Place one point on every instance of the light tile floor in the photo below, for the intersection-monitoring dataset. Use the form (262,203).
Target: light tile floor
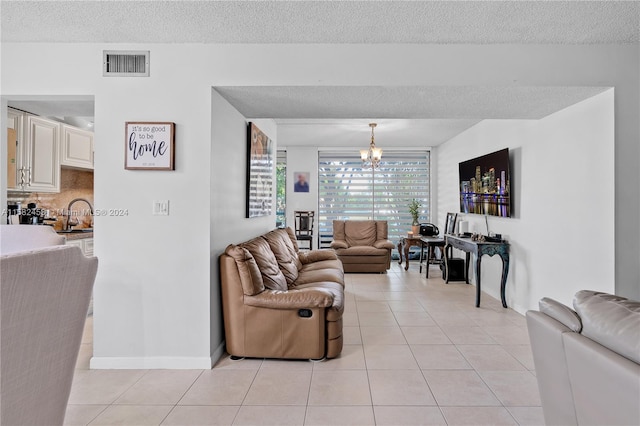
(416,352)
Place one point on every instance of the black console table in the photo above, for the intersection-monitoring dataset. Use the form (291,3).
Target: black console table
(480,248)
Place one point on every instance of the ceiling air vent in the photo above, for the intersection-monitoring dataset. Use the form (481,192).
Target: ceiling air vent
(120,63)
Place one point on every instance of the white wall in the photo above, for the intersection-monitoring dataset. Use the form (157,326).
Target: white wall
(228,222)
(151,306)
(302,159)
(562,180)
(154,304)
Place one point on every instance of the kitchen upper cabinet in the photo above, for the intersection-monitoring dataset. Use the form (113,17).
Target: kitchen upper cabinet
(41,170)
(15,133)
(76,150)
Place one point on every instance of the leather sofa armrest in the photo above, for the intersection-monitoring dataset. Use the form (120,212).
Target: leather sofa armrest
(384,244)
(339,244)
(293,299)
(316,256)
(561,313)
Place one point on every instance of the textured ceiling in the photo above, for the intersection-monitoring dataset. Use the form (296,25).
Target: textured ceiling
(478,22)
(408,116)
(426,115)
(417,102)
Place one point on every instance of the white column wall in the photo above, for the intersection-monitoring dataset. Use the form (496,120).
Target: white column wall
(562,181)
(228,222)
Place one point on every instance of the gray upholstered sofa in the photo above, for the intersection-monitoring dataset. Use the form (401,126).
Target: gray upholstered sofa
(587,359)
(362,245)
(46,288)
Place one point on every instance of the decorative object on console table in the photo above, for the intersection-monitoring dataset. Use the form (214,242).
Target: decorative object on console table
(149,146)
(260,167)
(450,223)
(480,247)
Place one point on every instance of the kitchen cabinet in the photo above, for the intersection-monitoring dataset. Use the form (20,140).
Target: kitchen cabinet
(85,244)
(42,154)
(12,170)
(37,153)
(76,150)
(15,133)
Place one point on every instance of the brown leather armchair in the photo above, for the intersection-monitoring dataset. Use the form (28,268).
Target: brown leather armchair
(279,302)
(362,245)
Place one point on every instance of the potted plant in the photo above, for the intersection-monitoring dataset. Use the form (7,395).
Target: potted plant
(414,209)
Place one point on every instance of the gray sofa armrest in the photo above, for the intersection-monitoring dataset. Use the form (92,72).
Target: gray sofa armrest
(292,299)
(562,313)
(613,321)
(386,244)
(339,244)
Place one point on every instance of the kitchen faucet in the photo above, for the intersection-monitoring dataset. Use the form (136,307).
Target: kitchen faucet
(71,223)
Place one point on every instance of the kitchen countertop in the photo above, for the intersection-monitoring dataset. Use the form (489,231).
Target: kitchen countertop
(76,235)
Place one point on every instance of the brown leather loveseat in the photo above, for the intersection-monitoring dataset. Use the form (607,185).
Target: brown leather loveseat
(362,245)
(279,302)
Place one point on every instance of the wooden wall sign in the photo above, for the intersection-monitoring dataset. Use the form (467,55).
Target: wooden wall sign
(149,146)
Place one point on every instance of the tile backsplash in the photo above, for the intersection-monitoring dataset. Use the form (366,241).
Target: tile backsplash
(73,184)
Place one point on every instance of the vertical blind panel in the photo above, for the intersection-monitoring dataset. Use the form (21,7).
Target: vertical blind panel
(281,185)
(347,191)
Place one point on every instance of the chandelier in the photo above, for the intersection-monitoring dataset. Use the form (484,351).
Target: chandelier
(372,156)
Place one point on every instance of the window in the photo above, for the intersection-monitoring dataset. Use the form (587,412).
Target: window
(347,191)
(281,189)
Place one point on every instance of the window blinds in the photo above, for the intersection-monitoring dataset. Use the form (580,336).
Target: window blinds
(346,191)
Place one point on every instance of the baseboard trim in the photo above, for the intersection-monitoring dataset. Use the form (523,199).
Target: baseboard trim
(150,363)
(217,354)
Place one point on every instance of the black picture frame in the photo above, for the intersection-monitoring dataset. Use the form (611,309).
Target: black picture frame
(450,223)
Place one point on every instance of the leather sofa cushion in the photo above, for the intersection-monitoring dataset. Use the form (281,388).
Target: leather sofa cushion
(338,230)
(338,244)
(317,256)
(285,254)
(306,298)
(323,264)
(360,232)
(382,230)
(362,251)
(272,276)
(250,276)
(610,320)
(319,275)
(560,312)
(384,244)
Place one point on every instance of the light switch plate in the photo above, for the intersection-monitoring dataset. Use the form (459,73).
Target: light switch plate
(161,208)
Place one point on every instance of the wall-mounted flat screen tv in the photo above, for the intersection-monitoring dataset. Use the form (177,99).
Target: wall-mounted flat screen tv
(485,185)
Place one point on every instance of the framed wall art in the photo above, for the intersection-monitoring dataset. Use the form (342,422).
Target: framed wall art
(149,146)
(301,180)
(260,169)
